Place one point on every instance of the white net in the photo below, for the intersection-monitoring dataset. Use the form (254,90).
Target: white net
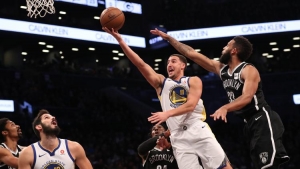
(40,7)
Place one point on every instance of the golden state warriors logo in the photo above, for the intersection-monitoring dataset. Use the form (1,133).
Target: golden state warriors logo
(178,95)
(53,166)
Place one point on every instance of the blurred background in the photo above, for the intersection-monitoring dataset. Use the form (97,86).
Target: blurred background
(102,101)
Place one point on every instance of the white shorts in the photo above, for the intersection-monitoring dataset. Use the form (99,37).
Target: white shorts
(196,140)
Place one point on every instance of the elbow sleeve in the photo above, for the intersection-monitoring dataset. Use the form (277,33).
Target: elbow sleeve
(147,145)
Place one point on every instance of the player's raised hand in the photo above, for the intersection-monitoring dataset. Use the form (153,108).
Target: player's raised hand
(158,117)
(159,33)
(114,33)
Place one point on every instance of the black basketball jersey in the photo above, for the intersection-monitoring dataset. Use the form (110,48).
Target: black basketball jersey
(160,159)
(233,84)
(16,154)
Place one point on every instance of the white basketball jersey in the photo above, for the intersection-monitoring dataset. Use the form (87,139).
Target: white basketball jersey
(60,158)
(174,94)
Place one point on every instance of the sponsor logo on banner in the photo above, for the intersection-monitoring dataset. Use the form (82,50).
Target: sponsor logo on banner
(67,32)
(226,31)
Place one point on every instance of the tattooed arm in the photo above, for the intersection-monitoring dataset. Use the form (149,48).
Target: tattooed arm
(200,59)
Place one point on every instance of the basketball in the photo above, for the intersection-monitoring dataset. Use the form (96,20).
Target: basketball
(112,18)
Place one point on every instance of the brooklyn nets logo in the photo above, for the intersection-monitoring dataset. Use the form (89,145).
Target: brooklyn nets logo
(263,157)
(178,95)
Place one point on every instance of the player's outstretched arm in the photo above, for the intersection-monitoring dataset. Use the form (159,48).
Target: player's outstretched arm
(79,155)
(26,158)
(151,76)
(146,146)
(7,158)
(200,59)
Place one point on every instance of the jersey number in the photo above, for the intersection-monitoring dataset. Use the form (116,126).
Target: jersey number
(231,96)
(160,167)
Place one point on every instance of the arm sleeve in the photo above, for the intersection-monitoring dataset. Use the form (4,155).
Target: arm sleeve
(147,145)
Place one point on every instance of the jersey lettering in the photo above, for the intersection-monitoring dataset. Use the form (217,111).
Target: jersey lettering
(231,96)
(233,84)
(160,167)
(160,159)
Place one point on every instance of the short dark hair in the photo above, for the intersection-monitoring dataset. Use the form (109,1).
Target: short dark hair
(164,125)
(244,47)
(37,120)
(181,58)
(3,122)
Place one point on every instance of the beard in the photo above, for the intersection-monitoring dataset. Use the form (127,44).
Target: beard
(20,135)
(225,58)
(50,131)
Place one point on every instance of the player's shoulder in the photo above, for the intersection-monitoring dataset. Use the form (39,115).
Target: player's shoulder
(73,145)
(246,64)
(27,150)
(249,67)
(194,79)
(71,141)
(75,149)
(161,77)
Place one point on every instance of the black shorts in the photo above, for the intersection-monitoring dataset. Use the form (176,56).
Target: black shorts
(264,136)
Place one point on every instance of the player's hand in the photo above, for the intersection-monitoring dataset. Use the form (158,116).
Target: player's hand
(221,112)
(114,33)
(167,134)
(158,117)
(159,33)
(163,143)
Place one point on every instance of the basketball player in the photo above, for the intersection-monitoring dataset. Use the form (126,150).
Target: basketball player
(242,83)
(9,148)
(155,155)
(50,151)
(183,108)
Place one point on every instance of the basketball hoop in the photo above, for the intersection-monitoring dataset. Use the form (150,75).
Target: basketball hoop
(40,7)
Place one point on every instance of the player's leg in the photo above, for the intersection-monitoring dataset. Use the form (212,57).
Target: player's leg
(265,131)
(278,129)
(187,159)
(182,150)
(208,148)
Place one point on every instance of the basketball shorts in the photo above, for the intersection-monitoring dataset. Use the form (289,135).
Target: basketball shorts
(263,132)
(189,142)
